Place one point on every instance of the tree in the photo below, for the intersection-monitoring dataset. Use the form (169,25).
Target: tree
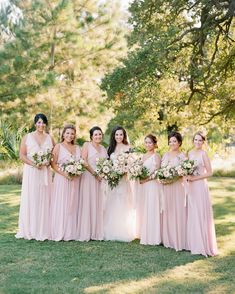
(180,65)
(54,57)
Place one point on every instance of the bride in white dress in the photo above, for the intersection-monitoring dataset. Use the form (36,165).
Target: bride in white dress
(119,215)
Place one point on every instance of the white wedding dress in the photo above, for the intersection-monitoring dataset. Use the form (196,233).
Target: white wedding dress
(119,213)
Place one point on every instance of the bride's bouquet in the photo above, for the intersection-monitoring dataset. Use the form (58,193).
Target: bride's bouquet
(73,167)
(186,168)
(166,175)
(137,170)
(42,157)
(121,162)
(105,170)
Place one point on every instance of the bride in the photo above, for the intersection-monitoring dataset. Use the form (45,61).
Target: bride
(119,221)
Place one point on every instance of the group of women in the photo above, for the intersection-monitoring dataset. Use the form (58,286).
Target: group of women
(178,215)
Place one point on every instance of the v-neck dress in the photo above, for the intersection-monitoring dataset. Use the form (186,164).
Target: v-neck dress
(64,201)
(90,214)
(34,216)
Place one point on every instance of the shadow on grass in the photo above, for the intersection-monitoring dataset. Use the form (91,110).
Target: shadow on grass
(225,207)
(9,217)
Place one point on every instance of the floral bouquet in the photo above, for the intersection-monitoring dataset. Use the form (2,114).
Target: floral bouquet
(137,170)
(42,157)
(121,162)
(73,167)
(104,169)
(166,175)
(186,168)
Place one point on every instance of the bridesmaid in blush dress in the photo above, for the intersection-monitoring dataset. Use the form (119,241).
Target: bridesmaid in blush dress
(34,219)
(150,228)
(174,206)
(90,215)
(65,192)
(201,237)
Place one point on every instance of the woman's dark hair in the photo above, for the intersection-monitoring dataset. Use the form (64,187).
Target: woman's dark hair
(92,130)
(67,127)
(42,116)
(201,135)
(152,138)
(113,143)
(177,135)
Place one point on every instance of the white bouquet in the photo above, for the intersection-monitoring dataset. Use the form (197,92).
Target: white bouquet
(104,169)
(73,167)
(166,175)
(137,170)
(42,157)
(186,168)
(121,162)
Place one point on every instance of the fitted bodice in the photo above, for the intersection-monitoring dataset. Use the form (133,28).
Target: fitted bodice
(65,155)
(151,163)
(32,145)
(167,161)
(198,158)
(93,154)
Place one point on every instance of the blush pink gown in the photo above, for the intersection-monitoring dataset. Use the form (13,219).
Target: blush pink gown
(150,228)
(90,215)
(201,237)
(64,201)
(34,216)
(174,214)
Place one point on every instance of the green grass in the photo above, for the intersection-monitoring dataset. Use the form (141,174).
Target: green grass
(114,267)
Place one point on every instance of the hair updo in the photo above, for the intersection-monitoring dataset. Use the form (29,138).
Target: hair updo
(199,133)
(152,138)
(43,118)
(177,135)
(68,127)
(92,130)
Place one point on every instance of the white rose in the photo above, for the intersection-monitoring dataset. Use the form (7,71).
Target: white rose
(40,153)
(106,169)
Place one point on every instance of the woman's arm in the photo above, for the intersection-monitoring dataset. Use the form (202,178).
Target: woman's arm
(23,154)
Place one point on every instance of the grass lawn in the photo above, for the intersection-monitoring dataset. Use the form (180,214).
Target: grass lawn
(114,267)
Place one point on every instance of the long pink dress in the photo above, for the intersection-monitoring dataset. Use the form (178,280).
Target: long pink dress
(150,231)
(201,237)
(64,201)
(174,214)
(90,215)
(34,216)
(139,205)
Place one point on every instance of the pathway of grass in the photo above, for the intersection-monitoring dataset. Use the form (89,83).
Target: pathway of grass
(114,267)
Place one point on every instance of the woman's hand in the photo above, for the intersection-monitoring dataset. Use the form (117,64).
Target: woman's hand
(98,178)
(144,181)
(190,178)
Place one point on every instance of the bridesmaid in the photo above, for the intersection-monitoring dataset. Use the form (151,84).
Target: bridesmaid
(150,232)
(174,207)
(65,193)
(90,216)
(119,218)
(201,237)
(36,185)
